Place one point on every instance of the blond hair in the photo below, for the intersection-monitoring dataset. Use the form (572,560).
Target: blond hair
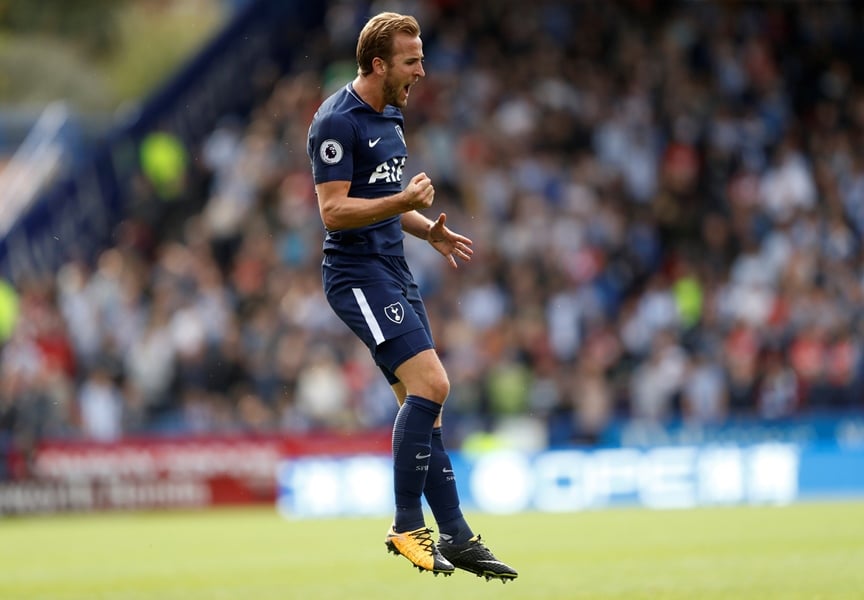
(376,38)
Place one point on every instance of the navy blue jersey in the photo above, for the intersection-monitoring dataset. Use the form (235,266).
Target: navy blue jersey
(351,141)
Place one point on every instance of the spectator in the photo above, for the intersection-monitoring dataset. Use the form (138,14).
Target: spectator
(100,405)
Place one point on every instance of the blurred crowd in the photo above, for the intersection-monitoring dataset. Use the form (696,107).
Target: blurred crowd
(667,208)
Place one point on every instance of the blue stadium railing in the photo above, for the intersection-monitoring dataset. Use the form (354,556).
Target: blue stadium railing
(76,216)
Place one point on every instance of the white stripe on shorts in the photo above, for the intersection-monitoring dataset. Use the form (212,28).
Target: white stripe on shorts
(367,314)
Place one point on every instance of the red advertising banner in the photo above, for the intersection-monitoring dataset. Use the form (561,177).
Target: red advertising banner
(154,473)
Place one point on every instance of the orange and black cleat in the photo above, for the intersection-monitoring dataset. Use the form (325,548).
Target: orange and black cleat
(418,547)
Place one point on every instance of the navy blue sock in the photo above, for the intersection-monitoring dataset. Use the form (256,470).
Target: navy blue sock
(441,494)
(412,433)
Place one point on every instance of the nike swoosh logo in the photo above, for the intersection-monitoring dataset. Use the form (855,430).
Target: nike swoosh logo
(493,562)
(373,143)
(447,470)
(419,456)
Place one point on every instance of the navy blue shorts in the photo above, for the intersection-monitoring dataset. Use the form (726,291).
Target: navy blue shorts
(376,296)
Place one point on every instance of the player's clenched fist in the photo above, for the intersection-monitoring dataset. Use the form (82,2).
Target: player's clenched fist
(419,192)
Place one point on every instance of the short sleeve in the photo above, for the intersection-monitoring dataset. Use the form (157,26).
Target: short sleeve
(331,148)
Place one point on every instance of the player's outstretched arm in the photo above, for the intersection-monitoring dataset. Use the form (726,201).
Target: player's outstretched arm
(449,244)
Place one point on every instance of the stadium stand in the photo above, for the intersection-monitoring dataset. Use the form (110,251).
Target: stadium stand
(666,199)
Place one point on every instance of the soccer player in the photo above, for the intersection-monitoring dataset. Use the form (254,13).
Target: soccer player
(358,151)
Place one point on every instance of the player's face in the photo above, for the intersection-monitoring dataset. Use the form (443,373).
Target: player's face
(404,70)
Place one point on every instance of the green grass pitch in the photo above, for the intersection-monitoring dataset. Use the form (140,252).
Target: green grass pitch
(805,551)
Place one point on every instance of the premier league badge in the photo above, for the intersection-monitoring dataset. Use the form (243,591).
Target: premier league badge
(331,151)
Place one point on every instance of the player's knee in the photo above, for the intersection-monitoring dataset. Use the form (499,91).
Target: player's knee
(440,384)
(434,385)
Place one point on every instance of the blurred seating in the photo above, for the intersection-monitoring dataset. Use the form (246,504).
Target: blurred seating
(666,200)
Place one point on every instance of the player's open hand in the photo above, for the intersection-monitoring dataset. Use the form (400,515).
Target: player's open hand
(451,245)
(419,192)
